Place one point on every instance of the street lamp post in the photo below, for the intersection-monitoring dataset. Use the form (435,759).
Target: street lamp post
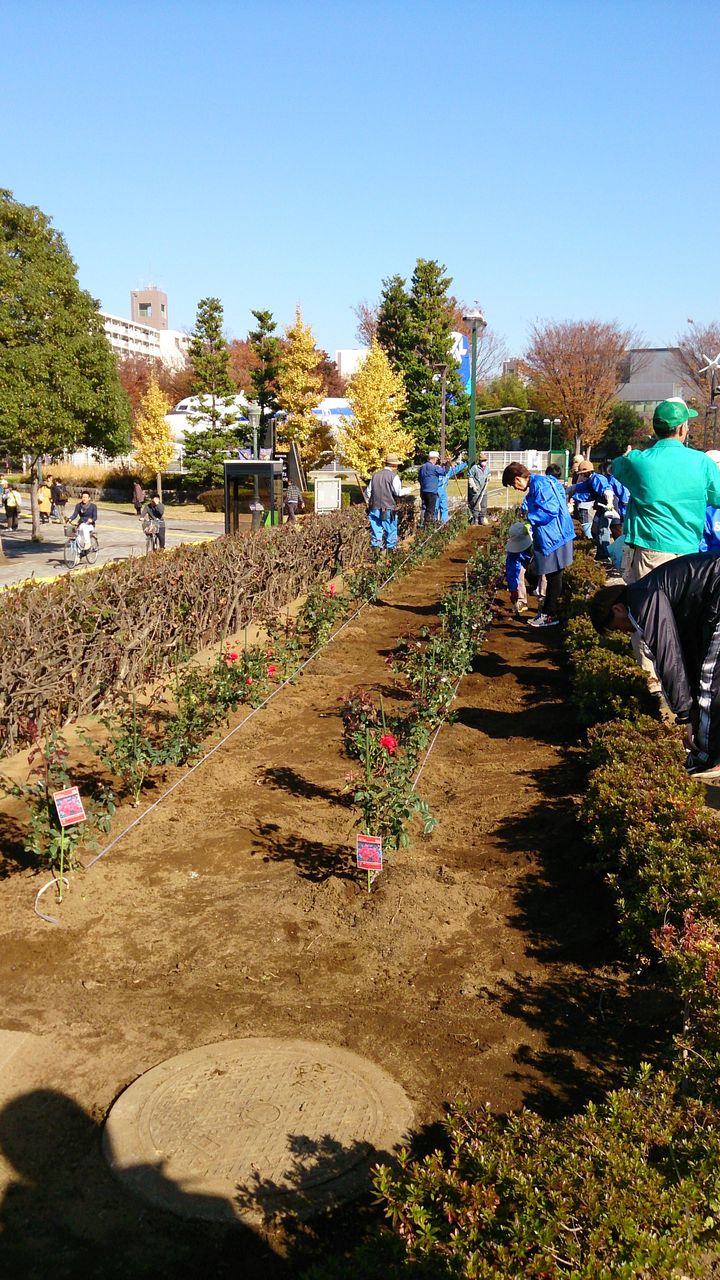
(254,420)
(551,422)
(476,320)
(442,371)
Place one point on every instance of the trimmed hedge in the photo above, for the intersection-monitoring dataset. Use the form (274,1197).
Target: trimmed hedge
(68,645)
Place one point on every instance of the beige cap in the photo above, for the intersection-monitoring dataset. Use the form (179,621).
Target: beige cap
(392,460)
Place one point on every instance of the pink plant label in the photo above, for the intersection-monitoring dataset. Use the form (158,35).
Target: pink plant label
(69,807)
(369,853)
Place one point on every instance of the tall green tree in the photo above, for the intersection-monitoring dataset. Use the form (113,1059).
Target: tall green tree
(267,348)
(59,388)
(210,360)
(414,326)
(217,436)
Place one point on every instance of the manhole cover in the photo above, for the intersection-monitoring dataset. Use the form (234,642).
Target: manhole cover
(251,1128)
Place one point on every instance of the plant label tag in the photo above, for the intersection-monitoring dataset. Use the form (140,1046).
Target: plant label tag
(369,853)
(69,807)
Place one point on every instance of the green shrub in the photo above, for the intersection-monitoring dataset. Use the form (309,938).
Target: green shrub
(629,1188)
(212,499)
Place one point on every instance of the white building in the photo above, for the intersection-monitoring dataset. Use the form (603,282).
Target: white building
(654,374)
(147,335)
(130,338)
(348,360)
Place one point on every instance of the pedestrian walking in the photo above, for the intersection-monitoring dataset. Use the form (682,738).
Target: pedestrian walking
(293,500)
(545,506)
(138,497)
(58,500)
(12,503)
(44,499)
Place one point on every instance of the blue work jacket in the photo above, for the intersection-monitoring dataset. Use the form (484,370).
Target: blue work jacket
(429,476)
(545,505)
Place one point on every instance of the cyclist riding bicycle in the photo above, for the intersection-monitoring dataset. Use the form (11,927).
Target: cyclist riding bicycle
(86,514)
(154,522)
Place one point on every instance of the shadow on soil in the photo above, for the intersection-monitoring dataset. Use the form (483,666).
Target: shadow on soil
(604,1019)
(64,1214)
(283,779)
(314,860)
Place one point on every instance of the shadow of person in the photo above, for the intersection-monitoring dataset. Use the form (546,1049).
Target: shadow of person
(64,1214)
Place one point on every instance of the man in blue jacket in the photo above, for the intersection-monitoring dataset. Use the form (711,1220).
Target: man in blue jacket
(429,476)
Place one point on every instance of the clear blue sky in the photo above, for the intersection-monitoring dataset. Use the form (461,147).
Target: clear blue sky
(558,157)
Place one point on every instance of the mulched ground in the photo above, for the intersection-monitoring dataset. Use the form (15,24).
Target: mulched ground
(481,967)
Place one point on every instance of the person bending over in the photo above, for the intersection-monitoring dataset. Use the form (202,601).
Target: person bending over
(675,609)
(545,506)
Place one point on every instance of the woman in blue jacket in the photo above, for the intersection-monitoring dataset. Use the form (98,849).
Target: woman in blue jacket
(545,507)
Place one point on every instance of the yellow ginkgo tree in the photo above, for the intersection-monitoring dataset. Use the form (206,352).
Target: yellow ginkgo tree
(377,397)
(152,442)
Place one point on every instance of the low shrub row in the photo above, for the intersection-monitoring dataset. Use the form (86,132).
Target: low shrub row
(67,646)
(652,835)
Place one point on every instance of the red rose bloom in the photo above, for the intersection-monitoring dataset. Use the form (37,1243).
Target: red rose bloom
(231,657)
(331,589)
(389,742)
(248,679)
(271,670)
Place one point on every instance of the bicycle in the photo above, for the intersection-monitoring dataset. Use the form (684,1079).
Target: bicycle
(73,554)
(152,536)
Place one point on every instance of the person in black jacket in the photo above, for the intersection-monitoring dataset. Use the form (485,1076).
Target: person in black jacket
(676,611)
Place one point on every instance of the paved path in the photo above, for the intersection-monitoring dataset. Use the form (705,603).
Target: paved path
(119,534)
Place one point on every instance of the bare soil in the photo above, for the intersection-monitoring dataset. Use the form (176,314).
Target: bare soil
(482,966)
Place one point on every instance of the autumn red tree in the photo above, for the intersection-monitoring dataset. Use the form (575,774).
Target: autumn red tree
(242,362)
(136,373)
(332,383)
(576,370)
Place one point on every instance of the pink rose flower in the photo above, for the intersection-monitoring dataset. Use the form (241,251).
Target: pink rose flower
(389,742)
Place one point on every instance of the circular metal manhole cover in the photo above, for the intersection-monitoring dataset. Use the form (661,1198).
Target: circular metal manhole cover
(251,1128)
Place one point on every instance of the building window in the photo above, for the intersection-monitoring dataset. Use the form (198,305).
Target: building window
(145,309)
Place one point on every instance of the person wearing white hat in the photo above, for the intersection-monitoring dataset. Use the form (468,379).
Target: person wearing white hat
(518,554)
(710,541)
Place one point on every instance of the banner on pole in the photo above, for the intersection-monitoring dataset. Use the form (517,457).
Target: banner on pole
(369,853)
(69,807)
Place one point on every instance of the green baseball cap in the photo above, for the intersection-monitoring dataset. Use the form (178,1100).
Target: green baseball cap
(672,413)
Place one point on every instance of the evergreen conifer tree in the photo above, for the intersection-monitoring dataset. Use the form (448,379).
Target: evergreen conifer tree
(267,348)
(207,448)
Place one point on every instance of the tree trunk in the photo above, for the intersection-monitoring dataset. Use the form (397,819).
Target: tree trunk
(158,484)
(35,533)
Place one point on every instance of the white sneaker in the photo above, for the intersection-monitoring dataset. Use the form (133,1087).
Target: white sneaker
(544,620)
(711,774)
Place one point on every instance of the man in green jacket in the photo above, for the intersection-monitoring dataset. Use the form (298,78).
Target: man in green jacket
(670,489)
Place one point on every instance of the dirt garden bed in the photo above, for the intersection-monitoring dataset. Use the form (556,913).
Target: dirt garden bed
(482,966)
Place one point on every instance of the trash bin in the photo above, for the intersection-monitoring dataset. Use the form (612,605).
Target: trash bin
(257,512)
